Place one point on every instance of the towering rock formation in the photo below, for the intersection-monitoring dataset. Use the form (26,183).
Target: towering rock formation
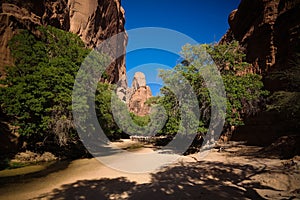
(93,20)
(140,94)
(269,30)
(136,96)
(139,80)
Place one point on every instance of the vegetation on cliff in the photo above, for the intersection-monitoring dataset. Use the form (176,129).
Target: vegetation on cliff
(244,91)
(37,92)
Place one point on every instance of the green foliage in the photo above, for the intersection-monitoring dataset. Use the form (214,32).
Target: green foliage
(171,105)
(114,116)
(115,119)
(118,121)
(244,95)
(289,78)
(104,110)
(287,106)
(39,87)
(171,108)
(152,100)
(228,57)
(244,91)
(140,120)
(285,102)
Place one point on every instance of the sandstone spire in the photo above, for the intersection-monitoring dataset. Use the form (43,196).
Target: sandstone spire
(136,96)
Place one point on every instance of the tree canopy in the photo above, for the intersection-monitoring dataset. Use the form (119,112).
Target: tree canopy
(244,91)
(38,88)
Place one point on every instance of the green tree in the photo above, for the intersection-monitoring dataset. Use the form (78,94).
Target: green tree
(103,100)
(38,92)
(244,91)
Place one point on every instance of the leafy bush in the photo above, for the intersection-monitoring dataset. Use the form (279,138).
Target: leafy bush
(287,79)
(244,91)
(104,111)
(38,92)
(287,104)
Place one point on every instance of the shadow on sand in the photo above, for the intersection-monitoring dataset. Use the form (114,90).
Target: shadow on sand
(200,180)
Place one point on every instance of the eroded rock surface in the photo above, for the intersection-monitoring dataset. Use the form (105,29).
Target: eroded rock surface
(140,93)
(93,20)
(269,30)
(136,96)
(137,101)
(139,80)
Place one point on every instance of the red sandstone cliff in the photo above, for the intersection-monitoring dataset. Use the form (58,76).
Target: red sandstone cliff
(93,20)
(138,95)
(268,29)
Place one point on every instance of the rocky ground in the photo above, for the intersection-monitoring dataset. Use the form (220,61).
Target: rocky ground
(231,172)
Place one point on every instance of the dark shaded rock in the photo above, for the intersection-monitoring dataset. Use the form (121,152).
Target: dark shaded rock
(269,30)
(285,147)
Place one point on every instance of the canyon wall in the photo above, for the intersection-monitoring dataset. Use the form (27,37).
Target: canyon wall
(268,29)
(93,20)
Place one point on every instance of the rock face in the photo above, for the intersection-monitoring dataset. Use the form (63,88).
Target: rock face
(93,20)
(122,89)
(136,96)
(137,101)
(140,94)
(269,30)
(139,80)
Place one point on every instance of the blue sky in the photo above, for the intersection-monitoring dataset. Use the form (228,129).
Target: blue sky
(203,21)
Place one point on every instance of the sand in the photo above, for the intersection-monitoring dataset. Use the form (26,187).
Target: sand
(237,172)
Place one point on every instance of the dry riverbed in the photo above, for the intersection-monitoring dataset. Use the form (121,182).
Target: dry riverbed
(235,172)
